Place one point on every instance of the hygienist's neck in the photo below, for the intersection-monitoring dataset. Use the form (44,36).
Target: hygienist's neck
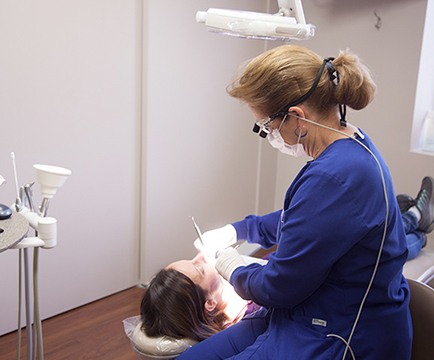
(322,138)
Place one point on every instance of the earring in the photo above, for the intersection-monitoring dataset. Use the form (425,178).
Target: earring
(300,134)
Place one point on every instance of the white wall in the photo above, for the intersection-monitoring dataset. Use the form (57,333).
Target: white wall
(200,156)
(69,96)
(425,83)
(130,95)
(392,53)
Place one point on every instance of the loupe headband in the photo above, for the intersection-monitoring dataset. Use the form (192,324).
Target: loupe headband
(307,95)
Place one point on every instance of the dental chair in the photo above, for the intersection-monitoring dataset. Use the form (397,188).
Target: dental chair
(151,348)
(428,277)
(422,313)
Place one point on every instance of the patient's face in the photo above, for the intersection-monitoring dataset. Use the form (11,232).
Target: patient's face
(200,272)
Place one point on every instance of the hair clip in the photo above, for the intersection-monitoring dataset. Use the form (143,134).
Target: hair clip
(333,74)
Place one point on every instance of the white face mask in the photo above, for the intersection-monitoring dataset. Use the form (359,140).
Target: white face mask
(276,140)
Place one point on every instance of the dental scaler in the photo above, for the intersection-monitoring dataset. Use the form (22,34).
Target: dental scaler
(198,232)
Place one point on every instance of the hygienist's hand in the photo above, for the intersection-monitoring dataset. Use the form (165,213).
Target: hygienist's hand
(215,240)
(227,261)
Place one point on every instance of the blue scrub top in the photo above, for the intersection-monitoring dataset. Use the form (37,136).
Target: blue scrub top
(328,237)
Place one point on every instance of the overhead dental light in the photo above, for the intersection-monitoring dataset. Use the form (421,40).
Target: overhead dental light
(288,24)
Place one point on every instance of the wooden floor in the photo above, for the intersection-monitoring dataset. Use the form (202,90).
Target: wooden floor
(93,331)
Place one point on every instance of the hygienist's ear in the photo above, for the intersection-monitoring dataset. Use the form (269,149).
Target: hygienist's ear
(296,110)
(210,305)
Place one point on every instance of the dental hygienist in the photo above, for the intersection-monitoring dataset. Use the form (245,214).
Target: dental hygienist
(334,288)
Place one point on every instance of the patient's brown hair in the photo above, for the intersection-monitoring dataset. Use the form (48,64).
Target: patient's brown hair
(174,306)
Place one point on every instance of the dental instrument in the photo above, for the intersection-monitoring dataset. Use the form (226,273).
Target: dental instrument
(198,232)
(288,24)
(19,194)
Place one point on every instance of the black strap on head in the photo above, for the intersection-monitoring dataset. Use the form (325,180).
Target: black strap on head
(335,79)
(304,97)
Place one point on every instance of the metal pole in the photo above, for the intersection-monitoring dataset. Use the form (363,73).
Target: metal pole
(29,332)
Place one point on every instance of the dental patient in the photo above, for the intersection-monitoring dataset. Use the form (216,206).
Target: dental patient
(189,299)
